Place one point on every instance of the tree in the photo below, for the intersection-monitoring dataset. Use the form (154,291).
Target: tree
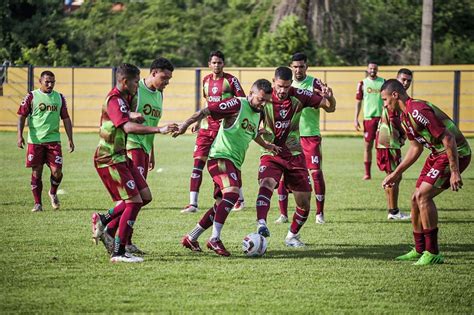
(426,51)
(46,55)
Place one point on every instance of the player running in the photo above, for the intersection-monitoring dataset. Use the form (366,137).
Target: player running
(122,180)
(240,124)
(282,118)
(140,147)
(310,138)
(217,86)
(427,125)
(44,108)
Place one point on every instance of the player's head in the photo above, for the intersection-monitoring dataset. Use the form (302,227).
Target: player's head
(216,61)
(405,76)
(260,93)
(393,93)
(47,81)
(372,69)
(161,71)
(127,76)
(282,82)
(299,66)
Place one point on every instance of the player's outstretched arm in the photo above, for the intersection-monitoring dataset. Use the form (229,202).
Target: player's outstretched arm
(413,153)
(21,125)
(449,142)
(131,127)
(68,127)
(136,117)
(328,104)
(169,128)
(191,120)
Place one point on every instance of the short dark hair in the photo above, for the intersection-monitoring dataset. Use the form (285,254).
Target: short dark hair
(283,73)
(127,70)
(299,56)
(372,62)
(216,53)
(264,85)
(405,71)
(393,85)
(162,64)
(47,73)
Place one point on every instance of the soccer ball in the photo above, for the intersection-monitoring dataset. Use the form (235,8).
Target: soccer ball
(254,245)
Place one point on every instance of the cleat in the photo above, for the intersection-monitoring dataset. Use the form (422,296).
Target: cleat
(128,258)
(293,241)
(411,255)
(192,245)
(239,205)
(108,241)
(399,216)
(54,200)
(37,208)
(97,228)
(429,259)
(320,218)
(366,177)
(190,209)
(217,246)
(281,219)
(263,230)
(133,249)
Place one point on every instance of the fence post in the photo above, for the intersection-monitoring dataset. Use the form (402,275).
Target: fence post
(72,96)
(114,79)
(456,94)
(31,83)
(197,84)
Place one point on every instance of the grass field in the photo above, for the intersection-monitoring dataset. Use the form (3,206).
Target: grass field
(48,263)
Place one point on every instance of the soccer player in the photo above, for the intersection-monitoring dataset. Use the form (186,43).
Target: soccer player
(217,86)
(122,180)
(368,91)
(44,108)
(310,138)
(240,124)
(389,138)
(282,118)
(140,147)
(426,125)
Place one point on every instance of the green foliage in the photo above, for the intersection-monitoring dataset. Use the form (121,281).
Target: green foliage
(49,55)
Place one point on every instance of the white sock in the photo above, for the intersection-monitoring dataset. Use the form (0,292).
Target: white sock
(193,198)
(241,194)
(216,230)
(290,235)
(196,232)
(262,222)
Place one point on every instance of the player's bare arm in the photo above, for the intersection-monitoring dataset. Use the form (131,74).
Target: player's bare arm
(68,127)
(21,125)
(328,104)
(169,128)
(356,118)
(199,115)
(266,145)
(449,143)
(413,153)
(132,127)
(136,117)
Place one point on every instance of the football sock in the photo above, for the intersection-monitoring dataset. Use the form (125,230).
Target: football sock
(113,213)
(55,184)
(319,190)
(36,188)
(283,199)
(431,240)
(196,180)
(367,165)
(196,232)
(127,220)
(241,194)
(419,241)
(208,218)
(299,218)
(225,206)
(263,202)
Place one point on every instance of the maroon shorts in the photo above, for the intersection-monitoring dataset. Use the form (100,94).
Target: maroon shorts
(49,153)
(140,160)
(224,174)
(312,152)
(122,180)
(204,140)
(293,169)
(388,159)
(370,128)
(436,170)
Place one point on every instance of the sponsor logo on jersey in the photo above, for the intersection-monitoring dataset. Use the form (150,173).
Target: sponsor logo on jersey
(371,90)
(248,126)
(236,84)
(50,108)
(229,104)
(233,175)
(420,117)
(214,89)
(282,124)
(122,106)
(214,98)
(304,92)
(262,168)
(150,111)
(131,184)
(283,113)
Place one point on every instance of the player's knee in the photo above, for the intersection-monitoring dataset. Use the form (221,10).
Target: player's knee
(268,183)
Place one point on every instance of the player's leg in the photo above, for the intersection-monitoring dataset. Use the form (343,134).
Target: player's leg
(54,160)
(195,184)
(370,129)
(240,204)
(35,158)
(282,202)
(418,236)
(302,200)
(190,240)
(388,160)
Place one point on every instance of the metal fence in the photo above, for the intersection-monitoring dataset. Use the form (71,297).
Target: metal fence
(449,87)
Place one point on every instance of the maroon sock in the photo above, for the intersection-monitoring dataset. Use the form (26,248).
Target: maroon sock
(196,175)
(367,165)
(36,188)
(55,184)
(263,202)
(115,212)
(419,242)
(228,201)
(319,190)
(283,199)
(431,240)
(127,220)
(208,218)
(299,218)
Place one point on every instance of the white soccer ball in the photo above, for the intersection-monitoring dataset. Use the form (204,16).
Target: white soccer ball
(254,245)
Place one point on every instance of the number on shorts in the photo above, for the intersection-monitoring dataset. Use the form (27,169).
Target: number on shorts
(58,159)
(433,173)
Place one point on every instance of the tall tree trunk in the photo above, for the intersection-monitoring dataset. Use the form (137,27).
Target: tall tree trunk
(426,53)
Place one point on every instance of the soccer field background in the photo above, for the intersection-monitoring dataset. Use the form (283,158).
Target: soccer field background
(48,263)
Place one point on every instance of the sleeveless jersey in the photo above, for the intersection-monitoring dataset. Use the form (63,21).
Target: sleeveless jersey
(372,100)
(309,121)
(150,104)
(43,122)
(232,143)
(389,131)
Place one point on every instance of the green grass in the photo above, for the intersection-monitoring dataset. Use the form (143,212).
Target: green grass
(48,263)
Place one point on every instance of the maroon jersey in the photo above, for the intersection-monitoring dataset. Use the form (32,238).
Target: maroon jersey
(218,90)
